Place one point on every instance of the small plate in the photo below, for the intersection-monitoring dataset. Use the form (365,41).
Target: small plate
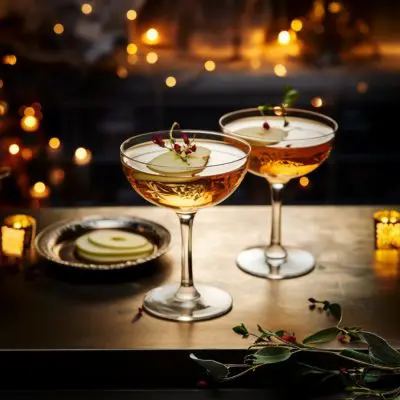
(56,242)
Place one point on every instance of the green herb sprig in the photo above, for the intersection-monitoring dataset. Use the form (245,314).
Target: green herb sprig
(290,97)
(379,362)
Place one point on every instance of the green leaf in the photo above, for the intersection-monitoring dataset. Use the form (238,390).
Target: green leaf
(280,333)
(290,97)
(380,348)
(323,336)
(357,355)
(241,330)
(271,355)
(216,369)
(335,310)
(373,376)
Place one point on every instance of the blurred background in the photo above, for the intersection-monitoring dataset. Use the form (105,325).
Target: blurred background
(77,78)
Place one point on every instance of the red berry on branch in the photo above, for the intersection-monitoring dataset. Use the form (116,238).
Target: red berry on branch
(185,138)
(193,147)
(177,147)
(159,141)
(289,338)
(266,125)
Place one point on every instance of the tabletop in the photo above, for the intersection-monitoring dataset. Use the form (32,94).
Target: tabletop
(96,311)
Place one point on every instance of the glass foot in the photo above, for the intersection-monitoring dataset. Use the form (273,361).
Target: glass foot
(253,261)
(213,302)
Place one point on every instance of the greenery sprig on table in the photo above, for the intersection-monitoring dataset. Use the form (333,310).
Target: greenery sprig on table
(379,360)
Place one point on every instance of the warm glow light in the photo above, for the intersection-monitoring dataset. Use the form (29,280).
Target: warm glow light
(27,154)
(319,10)
(54,143)
(56,176)
(152,57)
(362,87)
(387,229)
(58,29)
(132,59)
(86,8)
(280,70)
(3,107)
(170,81)
(29,123)
(317,102)
(304,181)
(151,36)
(12,241)
(39,191)
(29,111)
(293,35)
(131,15)
(209,65)
(255,63)
(131,48)
(122,72)
(10,59)
(82,156)
(296,25)
(334,7)
(284,37)
(13,149)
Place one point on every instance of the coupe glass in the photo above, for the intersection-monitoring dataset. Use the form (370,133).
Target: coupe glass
(185,193)
(283,148)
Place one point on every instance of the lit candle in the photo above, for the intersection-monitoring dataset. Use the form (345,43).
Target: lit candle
(25,226)
(387,229)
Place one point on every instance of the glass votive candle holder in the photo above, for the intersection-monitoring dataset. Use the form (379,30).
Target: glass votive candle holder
(25,223)
(387,229)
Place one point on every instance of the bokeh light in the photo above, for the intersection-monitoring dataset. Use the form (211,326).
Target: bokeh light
(82,156)
(335,7)
(304,181)
(29,123)
(297,25)
(131,15)
(3,107)
(39,191)
(10,59)
(209,65)
(170,81)
(362,87)
(131,48)
(86,8)
(317,102)
(56,176)
(54,143)
(152,57)
(122,72)
(280,70)
(13,149)
(27,154)
(284,37)
(151,36)
(58,29)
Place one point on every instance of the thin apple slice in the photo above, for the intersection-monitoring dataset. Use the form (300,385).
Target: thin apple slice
(116,239)
(170,163)
(261,136)
(83,244)
(103,259)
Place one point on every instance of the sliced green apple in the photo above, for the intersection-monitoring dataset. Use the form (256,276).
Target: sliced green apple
(116,239)
(103,259)
(261,136)
(83,244)
(171,163)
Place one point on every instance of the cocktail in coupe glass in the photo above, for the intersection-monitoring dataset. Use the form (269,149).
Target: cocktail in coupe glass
(206,169)
(284,146)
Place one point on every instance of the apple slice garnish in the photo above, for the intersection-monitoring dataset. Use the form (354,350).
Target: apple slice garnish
(262,136)
(116,239)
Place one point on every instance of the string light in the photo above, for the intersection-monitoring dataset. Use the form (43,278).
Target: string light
(27,154)
(304,181)
(132,59)
(10,59)
(335,7)
(131,48)
(58,29)
(317,102)
(362,87)
(297,25)
(280,70)
(86,8)
(122,72)
(209,65)
(131,15)
(56,176)
(39,191)
(13,149)
(170,81)
(152,57)
(82,156)
(3,107)
(284,37)
(29,123)
(54,143)
(151,36)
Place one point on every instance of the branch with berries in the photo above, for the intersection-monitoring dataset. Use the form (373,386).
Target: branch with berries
(289,99)
(375,361)
(182,150)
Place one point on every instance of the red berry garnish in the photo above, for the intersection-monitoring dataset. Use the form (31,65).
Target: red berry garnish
(177,147)
(188,151)
(185,138)
(289,338)
(266,125)
(193,147)
(159,141)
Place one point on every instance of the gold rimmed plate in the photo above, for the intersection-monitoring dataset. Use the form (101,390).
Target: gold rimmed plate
(56,243)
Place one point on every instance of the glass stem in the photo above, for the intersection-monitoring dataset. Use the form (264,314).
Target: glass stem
(275,251)
(187,291)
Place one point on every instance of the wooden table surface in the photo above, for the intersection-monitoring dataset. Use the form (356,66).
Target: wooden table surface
(55,312)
